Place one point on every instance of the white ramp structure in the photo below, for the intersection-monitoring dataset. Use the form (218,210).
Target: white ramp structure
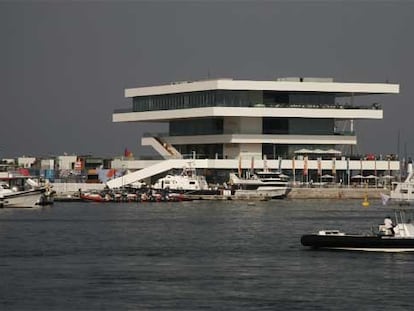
(149,171)
(166,165)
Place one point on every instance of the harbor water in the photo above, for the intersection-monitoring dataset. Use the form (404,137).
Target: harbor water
(214,255)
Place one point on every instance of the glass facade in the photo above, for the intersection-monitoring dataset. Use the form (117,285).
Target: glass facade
(199,151)
(240,98)
(275,98)
(275,126)
(311,126)
(230,98)
(207,126)
(273,151)
(212,98)
(298,126)
(313,99)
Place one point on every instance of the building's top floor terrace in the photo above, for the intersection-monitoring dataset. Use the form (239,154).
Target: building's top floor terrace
(303,93)
(319,85)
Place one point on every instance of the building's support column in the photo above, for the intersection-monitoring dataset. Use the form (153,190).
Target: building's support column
(242,125)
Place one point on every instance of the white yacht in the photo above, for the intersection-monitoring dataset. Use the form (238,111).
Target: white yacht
(16,191)
(403,192)
(262,184)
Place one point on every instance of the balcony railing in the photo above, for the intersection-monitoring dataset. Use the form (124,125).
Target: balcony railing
(227,132)
(374,106)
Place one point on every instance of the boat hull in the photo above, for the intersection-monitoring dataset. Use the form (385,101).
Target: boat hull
(24,199)
(359,242)
(262,193)
(95,198)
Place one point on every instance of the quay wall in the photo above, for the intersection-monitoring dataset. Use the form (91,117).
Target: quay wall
(312,193)
(295,193)
(337,193)
(70,188)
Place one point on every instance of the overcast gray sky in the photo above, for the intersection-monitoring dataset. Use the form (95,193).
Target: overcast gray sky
(64,65)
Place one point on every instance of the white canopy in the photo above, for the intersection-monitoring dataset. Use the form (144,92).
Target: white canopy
(303,151)
(317,151)
(333,151)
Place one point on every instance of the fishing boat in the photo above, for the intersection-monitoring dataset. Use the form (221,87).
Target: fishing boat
(384,239)
(20,191)
(261,184)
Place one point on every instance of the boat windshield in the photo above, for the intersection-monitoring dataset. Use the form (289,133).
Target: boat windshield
(4,186)
(272,175)
(403,216)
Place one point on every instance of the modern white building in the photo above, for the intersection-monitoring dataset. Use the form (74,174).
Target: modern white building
(287,124)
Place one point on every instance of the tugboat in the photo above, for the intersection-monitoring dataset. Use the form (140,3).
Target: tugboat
(385,239)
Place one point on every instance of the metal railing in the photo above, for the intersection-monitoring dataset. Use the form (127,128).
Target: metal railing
(373,106)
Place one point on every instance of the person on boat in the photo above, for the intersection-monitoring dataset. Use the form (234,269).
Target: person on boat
(389,225)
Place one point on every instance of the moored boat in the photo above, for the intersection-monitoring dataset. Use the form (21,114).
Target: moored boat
(403,192)
(20,191)
(188,180)
(383,240)
(95,197)
(262,184)
(144,195)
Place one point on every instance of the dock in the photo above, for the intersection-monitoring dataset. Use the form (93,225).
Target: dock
(309,193)
(295,193)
